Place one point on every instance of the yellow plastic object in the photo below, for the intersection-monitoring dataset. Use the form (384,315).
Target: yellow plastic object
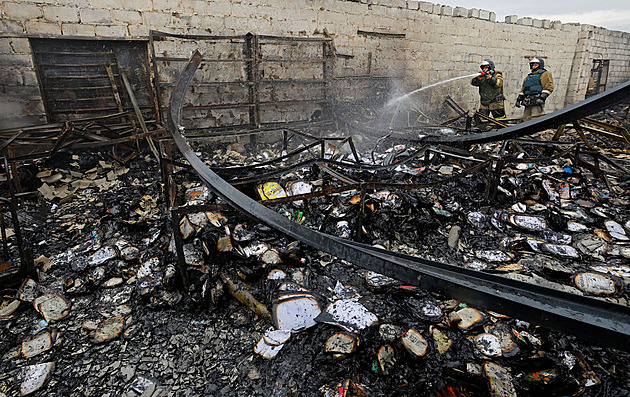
(271,190)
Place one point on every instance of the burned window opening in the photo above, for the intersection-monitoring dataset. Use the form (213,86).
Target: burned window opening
(599,74)
(82,78)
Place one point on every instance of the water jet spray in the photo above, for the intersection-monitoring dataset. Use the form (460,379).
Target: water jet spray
(393,101)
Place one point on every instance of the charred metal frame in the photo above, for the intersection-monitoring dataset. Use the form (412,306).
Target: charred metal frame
(26,267)
(252,62)
(44,140)
(580,125)
(35,142)
(328,166)
(166,161)
(607,130)
(594,319)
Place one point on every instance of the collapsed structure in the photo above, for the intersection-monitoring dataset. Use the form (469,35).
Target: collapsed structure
(379,248)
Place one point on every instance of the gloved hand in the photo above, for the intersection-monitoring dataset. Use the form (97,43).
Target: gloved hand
(540,99)
(519,100)
(482,73)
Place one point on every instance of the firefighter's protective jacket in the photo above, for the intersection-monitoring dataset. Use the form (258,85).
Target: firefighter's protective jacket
(490,87)
(537,82)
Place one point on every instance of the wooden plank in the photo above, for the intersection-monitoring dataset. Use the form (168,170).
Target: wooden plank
(112,80)
(139,114)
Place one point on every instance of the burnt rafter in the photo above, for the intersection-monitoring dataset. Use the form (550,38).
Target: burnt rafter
(585,317)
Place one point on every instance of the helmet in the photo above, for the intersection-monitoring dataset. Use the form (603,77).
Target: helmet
(487,63)
(538,61)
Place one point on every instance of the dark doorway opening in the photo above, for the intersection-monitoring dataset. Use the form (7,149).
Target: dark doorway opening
(598,77)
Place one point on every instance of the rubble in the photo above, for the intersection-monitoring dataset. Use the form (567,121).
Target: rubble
(467,318)
(35,376)
(340,345)
(500,380)
(271,342)
(8,308)
(348,314)
(37,344)
(263,314)
(295,311)
(386,358)
(488,345)
(595,283)
(415,343)
(51,306)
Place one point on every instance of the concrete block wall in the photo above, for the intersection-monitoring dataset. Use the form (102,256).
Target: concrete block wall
(20,98)
(598,43)
(440,42)
(446,47)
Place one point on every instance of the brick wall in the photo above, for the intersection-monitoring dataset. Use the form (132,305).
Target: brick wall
(20,100)
(598,43)
(439,42)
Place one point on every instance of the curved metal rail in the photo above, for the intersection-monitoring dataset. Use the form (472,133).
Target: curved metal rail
(600,321)
(567,115)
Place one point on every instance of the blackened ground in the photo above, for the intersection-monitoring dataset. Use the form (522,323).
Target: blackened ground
(191,347)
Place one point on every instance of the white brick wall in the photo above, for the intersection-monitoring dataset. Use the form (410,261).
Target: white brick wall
(126,17)
(20,46)
(60,14)
(11,27)
(77,29)
(111,31)
(21,11)
(96,16)
(441,41)
(41,27)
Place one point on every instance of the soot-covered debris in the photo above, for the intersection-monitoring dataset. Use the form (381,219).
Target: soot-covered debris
(109,315)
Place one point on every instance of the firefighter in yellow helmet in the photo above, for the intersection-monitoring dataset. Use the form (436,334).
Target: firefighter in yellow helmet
(537,86)
(490,83)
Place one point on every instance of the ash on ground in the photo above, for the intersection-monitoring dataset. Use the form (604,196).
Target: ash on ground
(109,315)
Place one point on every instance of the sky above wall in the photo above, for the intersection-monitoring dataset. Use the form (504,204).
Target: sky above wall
(610,14)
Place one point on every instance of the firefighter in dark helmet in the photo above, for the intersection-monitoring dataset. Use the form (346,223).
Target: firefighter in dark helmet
(490,83)
(538,85)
